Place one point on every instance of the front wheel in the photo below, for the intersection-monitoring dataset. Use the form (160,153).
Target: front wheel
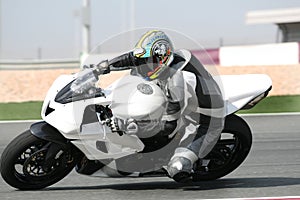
(229,152)
(24,163)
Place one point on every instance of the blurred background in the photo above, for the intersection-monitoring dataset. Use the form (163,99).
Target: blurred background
(41,39)
(46,29)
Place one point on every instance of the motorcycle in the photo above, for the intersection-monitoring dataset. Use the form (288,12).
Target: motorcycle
(114,130)
(75,132)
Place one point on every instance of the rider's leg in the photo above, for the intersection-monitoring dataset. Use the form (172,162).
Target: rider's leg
(194,146)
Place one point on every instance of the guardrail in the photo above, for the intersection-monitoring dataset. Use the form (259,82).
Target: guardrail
(39,64)
(250,55)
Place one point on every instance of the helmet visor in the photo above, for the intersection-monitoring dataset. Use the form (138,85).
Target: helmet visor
(147,66)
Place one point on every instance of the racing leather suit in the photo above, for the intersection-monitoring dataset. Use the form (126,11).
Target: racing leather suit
(194,98)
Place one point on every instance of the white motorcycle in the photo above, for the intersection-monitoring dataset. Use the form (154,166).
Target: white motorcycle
(76,132)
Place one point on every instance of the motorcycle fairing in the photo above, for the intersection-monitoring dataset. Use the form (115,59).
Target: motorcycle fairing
(238,91)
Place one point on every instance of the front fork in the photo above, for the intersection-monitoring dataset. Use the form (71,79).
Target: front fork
(56,146)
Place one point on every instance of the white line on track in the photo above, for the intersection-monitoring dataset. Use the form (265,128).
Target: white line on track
(272,114)
(262,198)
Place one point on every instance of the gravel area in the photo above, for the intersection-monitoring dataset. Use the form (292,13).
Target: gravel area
(32,85)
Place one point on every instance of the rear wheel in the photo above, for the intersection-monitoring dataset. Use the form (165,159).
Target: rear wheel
(229,152)
(25,163)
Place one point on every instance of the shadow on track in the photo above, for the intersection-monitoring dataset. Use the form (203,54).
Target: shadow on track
(206,185)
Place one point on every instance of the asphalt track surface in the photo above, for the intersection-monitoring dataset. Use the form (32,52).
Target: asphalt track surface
(271,170)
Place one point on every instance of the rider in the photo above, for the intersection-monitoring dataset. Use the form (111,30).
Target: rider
(183,78)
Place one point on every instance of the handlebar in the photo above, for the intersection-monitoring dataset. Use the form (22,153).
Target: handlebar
(118,63)
(102,68)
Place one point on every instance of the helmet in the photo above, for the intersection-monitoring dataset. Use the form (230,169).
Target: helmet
(154,53)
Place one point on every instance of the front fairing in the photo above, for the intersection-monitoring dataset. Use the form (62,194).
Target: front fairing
(69,119)
(81,88)
(67,99)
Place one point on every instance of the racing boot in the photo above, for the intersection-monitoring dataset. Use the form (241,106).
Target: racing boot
(180,167)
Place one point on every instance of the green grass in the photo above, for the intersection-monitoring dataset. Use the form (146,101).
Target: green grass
(276,104)
(32,110)
(21,111)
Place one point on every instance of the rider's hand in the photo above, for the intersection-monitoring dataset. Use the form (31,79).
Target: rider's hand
(103,67)
(122,62)
(113,124)
(116,125)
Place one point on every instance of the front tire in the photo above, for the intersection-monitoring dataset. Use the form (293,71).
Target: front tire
(23,163)
(230,151)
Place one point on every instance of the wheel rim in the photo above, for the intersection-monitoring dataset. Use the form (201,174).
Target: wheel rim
(22,158)
(29,165)
(223,154)
(34,167)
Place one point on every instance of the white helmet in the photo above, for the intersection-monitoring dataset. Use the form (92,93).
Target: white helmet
(154,51)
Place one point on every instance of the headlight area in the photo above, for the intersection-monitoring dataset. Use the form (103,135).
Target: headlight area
(65,95)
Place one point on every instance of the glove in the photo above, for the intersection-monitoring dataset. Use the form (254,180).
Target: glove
(103,67)
(122,62)
(100,68)
(115,125)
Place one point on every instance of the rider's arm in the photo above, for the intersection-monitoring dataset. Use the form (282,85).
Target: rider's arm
(122,62)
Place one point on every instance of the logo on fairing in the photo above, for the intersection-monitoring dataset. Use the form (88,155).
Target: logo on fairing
(145,88)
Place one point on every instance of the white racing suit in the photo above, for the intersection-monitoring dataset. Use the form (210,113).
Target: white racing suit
(201,113)
(195,102)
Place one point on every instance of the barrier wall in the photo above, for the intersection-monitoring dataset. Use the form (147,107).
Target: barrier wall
(269,54)
(266,54)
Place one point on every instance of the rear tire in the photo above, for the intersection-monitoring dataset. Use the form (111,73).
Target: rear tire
(228,153)
(22,163)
